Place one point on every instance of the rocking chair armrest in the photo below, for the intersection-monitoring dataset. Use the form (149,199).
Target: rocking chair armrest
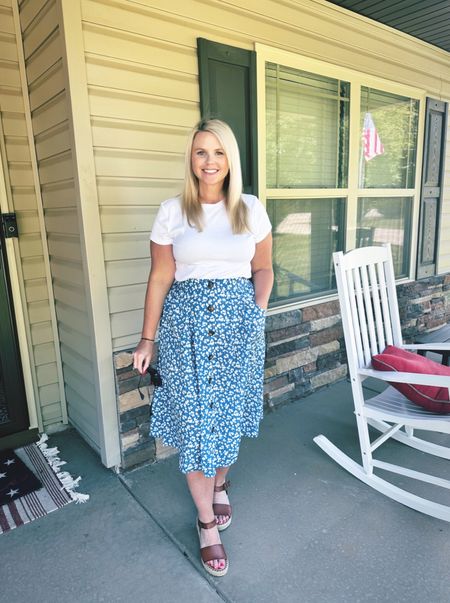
(412,378)
(442,347)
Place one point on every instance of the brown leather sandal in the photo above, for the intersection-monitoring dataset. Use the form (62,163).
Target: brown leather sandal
(214,551)
(221,508)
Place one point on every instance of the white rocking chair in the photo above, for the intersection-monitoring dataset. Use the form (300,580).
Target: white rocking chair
(370,318)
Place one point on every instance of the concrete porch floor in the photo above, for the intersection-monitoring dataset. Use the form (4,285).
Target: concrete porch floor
(304,530)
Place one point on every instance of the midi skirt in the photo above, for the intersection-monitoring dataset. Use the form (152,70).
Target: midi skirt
(211,361)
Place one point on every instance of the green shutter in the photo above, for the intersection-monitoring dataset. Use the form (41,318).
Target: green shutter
(228,92)
(431,193)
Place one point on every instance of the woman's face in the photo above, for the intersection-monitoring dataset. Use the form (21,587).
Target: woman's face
(209,162)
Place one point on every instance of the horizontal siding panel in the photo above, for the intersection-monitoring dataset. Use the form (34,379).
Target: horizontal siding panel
(73,298)
(56,169)
(137,135)
(59,194)
(124,323)
(53,112)
(126,246)
(24,198)
(51,414)
(8,48)
(110,42)
(126,342)
(11,99)
(17,149)
(64,247)
(10,75)
(36,290)
(30,245)
(127,219)
(20,174)
(69,272)
(123,299)
(44,58)
(75,341)
(44,353)
(62,221)
(39,311)
(77,362)
(53,141)
(41,333)
(135,77)
(135,191)
(139,20)
(142,107)
(29,9)
(49,395)
(75,319)
(81,419)
(79,384)
(127,272)
(49,85)
(14,124)
(28,222)
(47,374)
(6,20)
(136,164)
(33,268)
(40,28)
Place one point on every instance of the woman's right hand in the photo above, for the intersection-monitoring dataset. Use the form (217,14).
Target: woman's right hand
(142,356)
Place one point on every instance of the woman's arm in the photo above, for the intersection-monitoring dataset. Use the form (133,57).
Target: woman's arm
(162,273)
(262,271)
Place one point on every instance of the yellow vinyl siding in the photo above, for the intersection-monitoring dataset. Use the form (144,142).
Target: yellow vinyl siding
(49,112)
(142,74)
(24,203)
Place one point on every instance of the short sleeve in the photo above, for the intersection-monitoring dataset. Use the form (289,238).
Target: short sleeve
(261,225)
(161,229)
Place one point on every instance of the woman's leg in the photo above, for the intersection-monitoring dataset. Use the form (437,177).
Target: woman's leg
(221,497)
(202,489)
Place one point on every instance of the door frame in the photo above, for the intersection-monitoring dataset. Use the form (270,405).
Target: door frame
(18,302)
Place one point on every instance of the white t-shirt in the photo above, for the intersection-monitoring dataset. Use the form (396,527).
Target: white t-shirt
(215,252)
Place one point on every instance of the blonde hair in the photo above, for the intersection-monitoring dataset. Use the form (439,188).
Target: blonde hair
(236,208)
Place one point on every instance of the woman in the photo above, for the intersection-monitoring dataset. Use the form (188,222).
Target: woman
(205,246)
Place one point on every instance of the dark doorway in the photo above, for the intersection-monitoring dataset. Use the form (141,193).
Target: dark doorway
(13,406)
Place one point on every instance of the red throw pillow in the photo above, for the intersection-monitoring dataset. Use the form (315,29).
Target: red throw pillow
(427,396)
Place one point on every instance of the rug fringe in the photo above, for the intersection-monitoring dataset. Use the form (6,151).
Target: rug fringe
(52,456)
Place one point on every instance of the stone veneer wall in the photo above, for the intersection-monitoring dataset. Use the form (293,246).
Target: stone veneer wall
(305,351)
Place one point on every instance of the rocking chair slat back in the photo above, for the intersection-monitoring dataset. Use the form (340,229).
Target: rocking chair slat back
(368,303)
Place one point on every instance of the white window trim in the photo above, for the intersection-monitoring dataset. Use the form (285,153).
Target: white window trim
(357,79)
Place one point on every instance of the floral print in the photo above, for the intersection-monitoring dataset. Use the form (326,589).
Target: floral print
(211,360)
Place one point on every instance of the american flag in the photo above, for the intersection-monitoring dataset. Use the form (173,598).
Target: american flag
(371,141)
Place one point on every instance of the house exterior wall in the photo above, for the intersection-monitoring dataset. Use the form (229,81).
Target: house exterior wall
(45,72)
(142,78)
(23,192)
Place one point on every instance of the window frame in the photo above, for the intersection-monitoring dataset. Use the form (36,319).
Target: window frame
(266,54)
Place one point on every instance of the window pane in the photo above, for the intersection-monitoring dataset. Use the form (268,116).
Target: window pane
(389,140)
(307,120)
(306,233)
(386,220)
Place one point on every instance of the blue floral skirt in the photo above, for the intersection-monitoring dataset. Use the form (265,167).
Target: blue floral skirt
(211,360)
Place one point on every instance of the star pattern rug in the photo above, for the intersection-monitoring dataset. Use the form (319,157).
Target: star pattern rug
(16,479)
(55,488)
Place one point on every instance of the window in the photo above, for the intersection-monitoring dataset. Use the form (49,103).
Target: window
(340,169)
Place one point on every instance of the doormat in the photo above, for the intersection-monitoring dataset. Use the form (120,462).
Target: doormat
(57,487)
(16,479)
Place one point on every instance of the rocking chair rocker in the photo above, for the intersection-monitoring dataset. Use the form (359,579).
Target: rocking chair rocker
(370,318)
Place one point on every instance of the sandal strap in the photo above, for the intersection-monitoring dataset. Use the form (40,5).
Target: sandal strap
(224,486)
(215,551)
(222,509)
(207,526)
